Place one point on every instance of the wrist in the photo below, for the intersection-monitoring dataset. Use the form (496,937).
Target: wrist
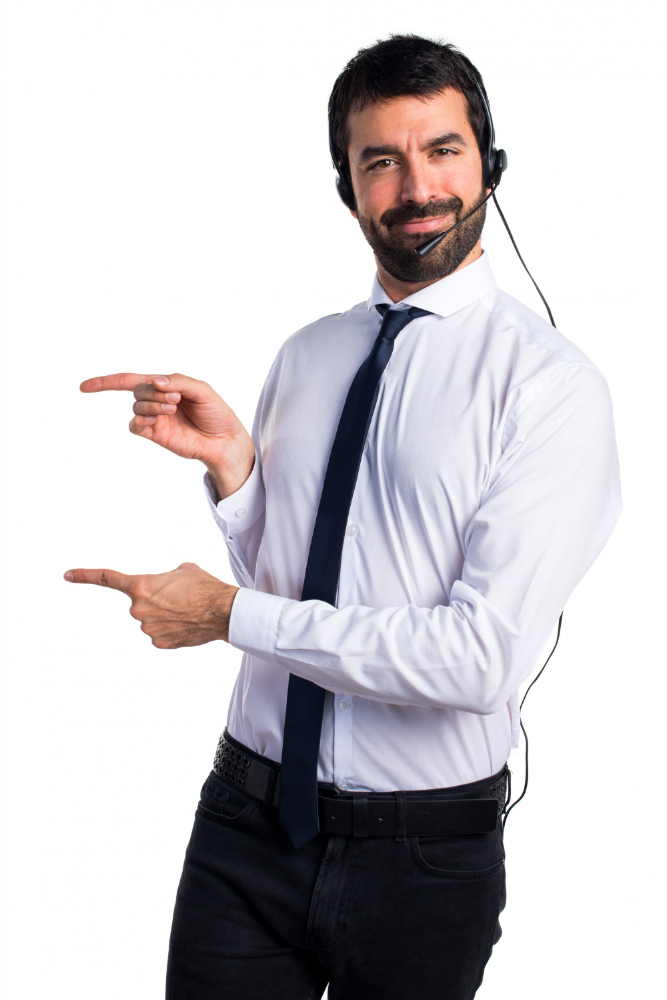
(228,476)
(224,610)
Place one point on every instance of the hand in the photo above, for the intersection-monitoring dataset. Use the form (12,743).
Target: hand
(185,607)
(187,417)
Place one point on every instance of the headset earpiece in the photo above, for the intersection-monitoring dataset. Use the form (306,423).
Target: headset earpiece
(496,159)
(345,191)
(496,163)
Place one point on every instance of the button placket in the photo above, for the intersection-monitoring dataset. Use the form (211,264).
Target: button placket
(342,741)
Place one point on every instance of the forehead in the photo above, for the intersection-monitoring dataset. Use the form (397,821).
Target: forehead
(407,121)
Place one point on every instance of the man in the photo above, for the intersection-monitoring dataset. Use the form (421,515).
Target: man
(429,476)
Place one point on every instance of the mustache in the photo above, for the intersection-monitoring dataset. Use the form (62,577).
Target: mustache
(408,213)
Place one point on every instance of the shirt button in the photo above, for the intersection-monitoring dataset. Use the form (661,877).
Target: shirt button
(240,511)
(342,785)
(353,529)
(345,703)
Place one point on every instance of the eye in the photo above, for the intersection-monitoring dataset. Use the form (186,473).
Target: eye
(444,152)
(381,164)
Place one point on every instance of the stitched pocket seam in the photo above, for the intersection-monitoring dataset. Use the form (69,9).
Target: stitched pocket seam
(474,875)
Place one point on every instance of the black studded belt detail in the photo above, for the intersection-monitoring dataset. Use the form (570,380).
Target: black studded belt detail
(441,812)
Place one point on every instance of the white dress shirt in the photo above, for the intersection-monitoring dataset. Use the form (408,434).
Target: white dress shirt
(488,485)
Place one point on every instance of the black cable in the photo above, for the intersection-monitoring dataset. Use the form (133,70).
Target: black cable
(509,233)
(560,622)
(508,808)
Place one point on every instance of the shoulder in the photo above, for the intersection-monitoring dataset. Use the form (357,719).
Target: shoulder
(316,346)
(319,342)
(327,326)
(548,372)
(531,331)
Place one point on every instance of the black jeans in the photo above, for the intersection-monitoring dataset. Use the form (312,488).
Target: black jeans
(374,917)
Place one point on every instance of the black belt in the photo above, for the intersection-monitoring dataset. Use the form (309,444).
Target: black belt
(462,809)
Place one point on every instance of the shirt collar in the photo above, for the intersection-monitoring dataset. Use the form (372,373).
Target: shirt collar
(448,295)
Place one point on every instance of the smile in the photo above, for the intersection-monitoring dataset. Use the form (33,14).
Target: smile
(423,225)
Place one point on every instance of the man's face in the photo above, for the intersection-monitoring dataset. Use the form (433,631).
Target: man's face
(416,170)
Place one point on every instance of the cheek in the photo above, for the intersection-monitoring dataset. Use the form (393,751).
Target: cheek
(375,197)
(461,180)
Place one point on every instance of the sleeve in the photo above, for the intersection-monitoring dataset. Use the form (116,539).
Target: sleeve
(549,508)
(240,516)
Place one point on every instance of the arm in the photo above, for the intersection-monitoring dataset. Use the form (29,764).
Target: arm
(549,508)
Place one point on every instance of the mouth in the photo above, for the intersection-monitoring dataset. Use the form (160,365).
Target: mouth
(424,225)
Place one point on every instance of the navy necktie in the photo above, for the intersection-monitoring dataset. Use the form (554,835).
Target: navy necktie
(305,700)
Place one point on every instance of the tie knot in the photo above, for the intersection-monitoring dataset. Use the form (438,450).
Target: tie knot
(394,320)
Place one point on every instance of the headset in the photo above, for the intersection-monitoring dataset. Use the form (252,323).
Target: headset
(494,164)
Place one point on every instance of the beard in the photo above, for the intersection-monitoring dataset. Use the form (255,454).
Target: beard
(395,249)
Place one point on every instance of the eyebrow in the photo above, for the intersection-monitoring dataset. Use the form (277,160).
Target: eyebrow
(371,152)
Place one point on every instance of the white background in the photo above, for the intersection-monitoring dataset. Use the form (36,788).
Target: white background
(169,206)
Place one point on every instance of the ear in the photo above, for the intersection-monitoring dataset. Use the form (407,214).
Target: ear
(353,214)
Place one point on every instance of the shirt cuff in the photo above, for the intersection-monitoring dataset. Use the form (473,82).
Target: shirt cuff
(239,510)
(254,622)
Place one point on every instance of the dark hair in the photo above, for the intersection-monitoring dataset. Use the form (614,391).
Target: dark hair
(403,66)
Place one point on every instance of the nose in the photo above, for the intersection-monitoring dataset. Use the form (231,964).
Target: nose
(419,185)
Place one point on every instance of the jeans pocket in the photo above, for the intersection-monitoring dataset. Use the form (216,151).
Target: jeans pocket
(467,857)
(220,800)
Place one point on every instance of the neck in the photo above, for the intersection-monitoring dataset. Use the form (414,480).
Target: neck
(398,290)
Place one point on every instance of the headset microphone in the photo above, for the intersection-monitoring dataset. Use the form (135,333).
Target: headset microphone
(425,248)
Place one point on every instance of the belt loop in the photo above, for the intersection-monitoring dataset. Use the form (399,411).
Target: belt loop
(400,816)
(270,789)
(360,815)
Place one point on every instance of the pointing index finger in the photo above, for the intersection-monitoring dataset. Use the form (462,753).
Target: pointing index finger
(121,381)
(101,577)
